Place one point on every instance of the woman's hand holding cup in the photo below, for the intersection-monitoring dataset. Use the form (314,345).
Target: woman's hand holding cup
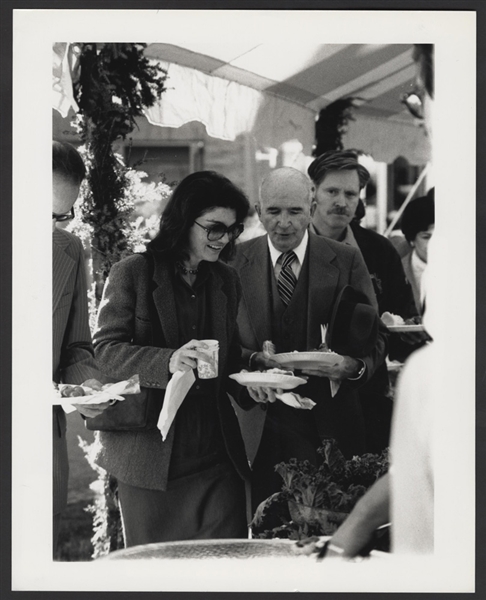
(186,357)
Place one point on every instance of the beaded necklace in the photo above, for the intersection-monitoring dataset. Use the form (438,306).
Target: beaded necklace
(180,266)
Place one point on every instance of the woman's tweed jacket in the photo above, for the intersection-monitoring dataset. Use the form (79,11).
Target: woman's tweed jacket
(121,349)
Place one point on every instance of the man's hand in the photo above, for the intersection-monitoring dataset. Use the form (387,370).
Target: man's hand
(263,394)
(348,368)
(415,338)
(261,362)
(93,410)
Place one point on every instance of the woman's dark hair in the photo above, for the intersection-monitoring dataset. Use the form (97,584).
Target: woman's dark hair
(418,216)
(196,195)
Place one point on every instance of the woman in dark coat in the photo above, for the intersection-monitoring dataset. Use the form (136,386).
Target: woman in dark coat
(190,486)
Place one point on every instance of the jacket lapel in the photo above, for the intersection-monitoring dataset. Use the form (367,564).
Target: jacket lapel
(164,300)
(255,277)
(62,265)
(218,305)
(323,280)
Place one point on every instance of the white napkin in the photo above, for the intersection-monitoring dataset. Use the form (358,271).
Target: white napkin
(175,393)
(335,385)
(295,400)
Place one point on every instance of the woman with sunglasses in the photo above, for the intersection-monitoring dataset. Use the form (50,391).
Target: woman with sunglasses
(155,311)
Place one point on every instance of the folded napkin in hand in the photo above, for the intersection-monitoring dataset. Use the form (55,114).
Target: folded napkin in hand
(296,401)
(180,383)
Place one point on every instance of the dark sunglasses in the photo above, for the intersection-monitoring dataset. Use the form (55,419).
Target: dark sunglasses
(65,217)
(413,102)
(218,231)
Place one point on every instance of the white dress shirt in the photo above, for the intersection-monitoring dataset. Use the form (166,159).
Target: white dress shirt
(275,256)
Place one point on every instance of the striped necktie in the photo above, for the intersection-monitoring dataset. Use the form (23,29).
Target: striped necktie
(286,279)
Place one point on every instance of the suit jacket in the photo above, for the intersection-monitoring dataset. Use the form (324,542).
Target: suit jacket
(393,291)
(332,265)
(407,267)
(72,352)
(122,348)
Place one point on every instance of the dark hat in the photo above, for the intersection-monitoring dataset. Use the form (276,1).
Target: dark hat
(353,328)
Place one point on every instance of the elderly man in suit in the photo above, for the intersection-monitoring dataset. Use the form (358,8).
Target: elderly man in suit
(313,271)
(72,360)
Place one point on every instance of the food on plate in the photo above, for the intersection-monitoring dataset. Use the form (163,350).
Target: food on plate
(93,384)
(391,320)
(268,348)
(279,372)
(71,391)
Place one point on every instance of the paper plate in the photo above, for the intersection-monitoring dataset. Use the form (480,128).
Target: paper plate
(274,380)
(394,365)
(406,328)
(98,398)
(307,360)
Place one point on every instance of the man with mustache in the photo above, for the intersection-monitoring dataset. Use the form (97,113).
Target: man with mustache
(339,178)
(319,269)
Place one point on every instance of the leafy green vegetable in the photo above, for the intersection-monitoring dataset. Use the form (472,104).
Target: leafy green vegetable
(329,489)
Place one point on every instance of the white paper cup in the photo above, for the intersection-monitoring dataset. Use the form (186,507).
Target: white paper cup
(209,370)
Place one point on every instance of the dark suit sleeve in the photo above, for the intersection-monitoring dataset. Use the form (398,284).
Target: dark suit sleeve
(397,294)
(238,392)
(117,326)
(77,362)
(361,280)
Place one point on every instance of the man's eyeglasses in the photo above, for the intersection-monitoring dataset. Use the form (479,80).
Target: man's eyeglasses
(413,102)
(65,217)
(218,231)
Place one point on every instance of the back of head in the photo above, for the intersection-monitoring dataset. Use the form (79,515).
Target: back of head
(337,160)
(67,162)
(418,216)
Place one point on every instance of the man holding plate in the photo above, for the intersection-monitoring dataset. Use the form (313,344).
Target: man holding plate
(73,357)
(293,283)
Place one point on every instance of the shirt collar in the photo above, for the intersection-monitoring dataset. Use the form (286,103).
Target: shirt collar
(299,251)
(348,237)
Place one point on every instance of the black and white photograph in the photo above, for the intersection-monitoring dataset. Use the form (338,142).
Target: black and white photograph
(243,352)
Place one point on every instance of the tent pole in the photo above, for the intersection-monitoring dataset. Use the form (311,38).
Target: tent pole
(406,201)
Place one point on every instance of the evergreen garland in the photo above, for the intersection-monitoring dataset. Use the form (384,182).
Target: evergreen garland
(116,81)
(332,124)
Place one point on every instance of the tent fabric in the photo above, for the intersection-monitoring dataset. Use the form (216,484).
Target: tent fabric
(193,95)
(312,76)
(63,66)
(275,92)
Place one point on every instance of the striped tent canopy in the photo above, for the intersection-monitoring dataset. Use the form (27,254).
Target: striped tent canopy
(312,76)
(275,92)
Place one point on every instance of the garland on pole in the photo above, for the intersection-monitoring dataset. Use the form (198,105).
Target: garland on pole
(116,82)
(332,124)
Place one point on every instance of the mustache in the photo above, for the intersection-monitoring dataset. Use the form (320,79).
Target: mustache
(339,210)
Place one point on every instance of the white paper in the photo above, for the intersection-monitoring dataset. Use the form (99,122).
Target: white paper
(180,383)
(335,385)
(296,401)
